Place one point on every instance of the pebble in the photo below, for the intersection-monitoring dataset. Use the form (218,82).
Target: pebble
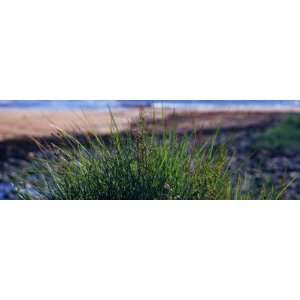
(5,190)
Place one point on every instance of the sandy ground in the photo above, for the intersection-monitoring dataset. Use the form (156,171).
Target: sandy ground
(17,124)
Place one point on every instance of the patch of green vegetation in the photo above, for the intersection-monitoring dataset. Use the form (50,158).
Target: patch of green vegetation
(283,137)
(141,166)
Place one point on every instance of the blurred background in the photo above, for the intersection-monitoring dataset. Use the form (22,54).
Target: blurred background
(263,135)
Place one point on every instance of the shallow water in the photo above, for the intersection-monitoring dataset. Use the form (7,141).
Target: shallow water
(126,104)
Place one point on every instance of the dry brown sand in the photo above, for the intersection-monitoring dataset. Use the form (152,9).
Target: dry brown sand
(19,124)
(15,124)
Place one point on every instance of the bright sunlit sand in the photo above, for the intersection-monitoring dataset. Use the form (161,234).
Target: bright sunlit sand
(16,124)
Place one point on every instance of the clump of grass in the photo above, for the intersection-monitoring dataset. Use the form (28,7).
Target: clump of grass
(284,137)
(141,166)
